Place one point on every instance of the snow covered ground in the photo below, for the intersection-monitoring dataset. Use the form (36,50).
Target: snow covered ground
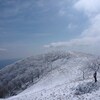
(64,91)
(61,82)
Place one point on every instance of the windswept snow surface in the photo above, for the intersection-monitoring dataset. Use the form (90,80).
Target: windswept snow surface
(59,83)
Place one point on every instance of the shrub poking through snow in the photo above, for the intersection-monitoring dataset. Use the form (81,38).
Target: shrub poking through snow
(86,88)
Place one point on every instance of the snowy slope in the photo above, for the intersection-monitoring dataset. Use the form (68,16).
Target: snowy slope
(60,81)
(60,92)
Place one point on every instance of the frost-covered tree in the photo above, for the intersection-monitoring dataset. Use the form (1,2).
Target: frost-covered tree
(83,73)
(18,76)
(93,66)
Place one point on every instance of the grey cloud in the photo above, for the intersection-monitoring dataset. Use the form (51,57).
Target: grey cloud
(2,49)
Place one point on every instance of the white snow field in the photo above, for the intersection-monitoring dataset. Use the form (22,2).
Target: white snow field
(64,80)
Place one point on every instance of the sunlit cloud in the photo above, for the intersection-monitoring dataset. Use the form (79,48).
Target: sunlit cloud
(89,7)
(90,37)
(86,41)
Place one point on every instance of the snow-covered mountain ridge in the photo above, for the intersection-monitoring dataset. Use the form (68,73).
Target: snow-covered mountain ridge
(50,76)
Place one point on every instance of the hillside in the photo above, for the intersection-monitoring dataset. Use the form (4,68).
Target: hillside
(52,76)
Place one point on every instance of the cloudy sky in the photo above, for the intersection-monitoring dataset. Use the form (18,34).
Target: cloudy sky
(28,27)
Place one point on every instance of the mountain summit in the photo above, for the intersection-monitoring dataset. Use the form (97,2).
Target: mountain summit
(55,75)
